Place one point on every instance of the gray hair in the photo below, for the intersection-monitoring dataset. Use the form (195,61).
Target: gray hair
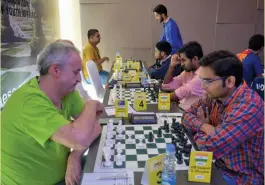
(57,52)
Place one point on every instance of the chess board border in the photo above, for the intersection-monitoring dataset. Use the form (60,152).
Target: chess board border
(98,161)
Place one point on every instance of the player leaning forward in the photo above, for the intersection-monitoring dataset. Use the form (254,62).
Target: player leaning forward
(37,131)
(230,121)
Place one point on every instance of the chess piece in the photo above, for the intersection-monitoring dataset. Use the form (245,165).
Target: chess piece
(173,139)
(167,128)
(141,141)
(165,124)
(159,134)
(150,137)
(119,148)
(173,120)
(107,156)
(119,136)
(179,157)
(118,160)
(130,140)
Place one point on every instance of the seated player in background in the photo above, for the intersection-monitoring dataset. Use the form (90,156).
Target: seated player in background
(186,86)
(163,57)
(91,52)
(38,129)
(230,121)
(252,65)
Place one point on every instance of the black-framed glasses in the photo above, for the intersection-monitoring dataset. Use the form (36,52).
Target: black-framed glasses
(208,81)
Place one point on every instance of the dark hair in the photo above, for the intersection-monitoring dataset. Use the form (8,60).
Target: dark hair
(91,33)
(256,42)
(160,9)
(164,46)
(192,49)
(224,64)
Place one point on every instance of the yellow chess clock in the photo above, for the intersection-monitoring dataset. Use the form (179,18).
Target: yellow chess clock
(140,101)
(164,101)
(200,168)
(121,108)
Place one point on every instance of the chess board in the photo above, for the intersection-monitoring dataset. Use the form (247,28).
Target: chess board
(134,156)
(128,94)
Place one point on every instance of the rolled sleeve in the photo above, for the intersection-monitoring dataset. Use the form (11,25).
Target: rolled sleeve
(193,87)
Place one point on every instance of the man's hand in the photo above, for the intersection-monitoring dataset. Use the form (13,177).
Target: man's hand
(203,116)
(74,169)
(208,129)
(105,59)
(175,60)
(93,105)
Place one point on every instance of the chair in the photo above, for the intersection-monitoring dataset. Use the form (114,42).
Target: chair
(258,86)
(95,80)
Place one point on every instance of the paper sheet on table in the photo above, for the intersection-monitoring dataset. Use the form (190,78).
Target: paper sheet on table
(111,111)
(93,178)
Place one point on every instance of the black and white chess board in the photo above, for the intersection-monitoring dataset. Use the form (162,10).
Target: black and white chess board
(128,94)
(131,145)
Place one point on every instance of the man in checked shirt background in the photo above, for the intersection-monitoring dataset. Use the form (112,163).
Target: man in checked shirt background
(230,121)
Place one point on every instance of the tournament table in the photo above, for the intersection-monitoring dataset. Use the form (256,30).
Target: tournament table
(182,175)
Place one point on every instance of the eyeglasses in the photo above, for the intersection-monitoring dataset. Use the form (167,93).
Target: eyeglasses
(208,81)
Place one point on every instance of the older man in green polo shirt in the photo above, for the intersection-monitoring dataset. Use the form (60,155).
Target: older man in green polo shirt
(44,119)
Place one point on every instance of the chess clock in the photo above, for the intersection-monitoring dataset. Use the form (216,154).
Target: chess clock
(133,85)
(143,119)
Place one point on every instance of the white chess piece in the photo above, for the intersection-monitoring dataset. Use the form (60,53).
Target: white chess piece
(119,148)
(119,136)
(119,160)
(141,139)
(107,157)
(130,140)
(110,125)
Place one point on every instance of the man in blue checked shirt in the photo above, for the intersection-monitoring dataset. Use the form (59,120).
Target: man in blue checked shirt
(171,31)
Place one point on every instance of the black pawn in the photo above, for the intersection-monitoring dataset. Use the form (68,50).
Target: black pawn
(167,128)
(159,134)
(165,124)
(151,137)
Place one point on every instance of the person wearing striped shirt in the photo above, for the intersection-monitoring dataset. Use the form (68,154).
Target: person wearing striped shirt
(230,121)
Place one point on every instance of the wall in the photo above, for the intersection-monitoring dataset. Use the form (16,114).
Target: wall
(129,26)
(26,27)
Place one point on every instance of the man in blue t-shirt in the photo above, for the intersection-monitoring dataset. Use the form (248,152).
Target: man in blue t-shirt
(258,86)
(252,65)
(171,31)
(163,57)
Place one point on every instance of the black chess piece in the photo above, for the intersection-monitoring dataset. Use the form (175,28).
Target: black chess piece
(173,120)
(167,128)
(165,124)
(177,139)
(179,161)
(150,137)
(173,139)
(188,146)
(159,134)
(178,155)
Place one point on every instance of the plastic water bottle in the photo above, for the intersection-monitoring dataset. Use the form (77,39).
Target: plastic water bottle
(169,172)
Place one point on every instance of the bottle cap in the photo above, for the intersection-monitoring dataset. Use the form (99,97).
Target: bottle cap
(170,147)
